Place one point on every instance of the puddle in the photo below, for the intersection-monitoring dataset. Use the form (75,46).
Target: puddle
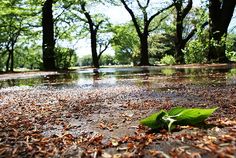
(86,78)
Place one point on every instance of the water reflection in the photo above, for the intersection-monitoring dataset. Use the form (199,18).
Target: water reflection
(231,76)
(88,78)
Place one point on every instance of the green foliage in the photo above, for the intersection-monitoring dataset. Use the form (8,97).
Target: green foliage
(177,116)
(195,52)
(161,45)
(197,49)
(231,55)
(168,71)
(125,44)
(168,59)
(231,47)
(30,58)
(107,59)
(65,57)
(2,61)
(161,41)
(85,60)
(17,19)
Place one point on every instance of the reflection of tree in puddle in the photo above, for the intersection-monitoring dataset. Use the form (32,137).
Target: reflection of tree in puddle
(96,77)
(20,82)
(231,76)
(232,72)
(62,78)
(168,71)
(205,75)
(143,76)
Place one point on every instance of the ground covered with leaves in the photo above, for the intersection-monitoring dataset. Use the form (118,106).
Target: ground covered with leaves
(102,119)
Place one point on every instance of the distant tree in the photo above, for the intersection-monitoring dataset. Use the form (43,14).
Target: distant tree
(231,47)
(12,26)
(143,28)
(95,23)
(220,15)
(28,57)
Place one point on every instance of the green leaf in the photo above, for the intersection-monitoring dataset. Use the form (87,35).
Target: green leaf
(155,120)
(175,111)
(192,116)
(177,116)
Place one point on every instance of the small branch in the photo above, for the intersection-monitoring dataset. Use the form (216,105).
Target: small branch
(105,48)
(64,9)
(159,23)
(192,33)
(98,24)
(136,25)
(159,12)
(78,17)
(187,8)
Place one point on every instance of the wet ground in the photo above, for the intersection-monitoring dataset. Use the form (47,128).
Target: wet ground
(95,113)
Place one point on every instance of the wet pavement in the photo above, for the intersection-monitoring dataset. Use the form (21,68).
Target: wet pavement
(111,101)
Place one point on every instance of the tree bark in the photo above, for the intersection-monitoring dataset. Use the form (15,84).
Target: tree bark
(48,36)
(12,60)
(144,60)
(94,48)
(179,55)
(8,62)
(220,15)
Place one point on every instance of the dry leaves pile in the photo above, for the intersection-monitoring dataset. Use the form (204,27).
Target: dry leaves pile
(103,121)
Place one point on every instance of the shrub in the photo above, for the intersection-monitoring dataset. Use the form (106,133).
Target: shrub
(65,57)
(168,60)
(231,55)
(195,52)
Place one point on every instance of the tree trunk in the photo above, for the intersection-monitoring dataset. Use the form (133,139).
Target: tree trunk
(179,55)
(144,60)
(220,15)
(12,60)
(94,48)
(93,28)
(8,62)
(48,36)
